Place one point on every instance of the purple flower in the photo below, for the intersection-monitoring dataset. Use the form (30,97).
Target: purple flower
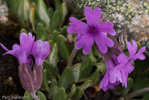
(132,53)
(119,67)
(107,82)
(30,61)
(21,51)
(40,51)
(92,31)
(31,78)
(125,67)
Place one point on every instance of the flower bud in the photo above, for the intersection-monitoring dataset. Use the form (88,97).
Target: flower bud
(40,51)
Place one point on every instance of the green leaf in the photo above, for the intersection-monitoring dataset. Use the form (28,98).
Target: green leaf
(51,43)
(66,78)
(42,13)
(76,72)
(141,83)
(36,10)
(56,21)
(87,84)
(64,11)
(92,56)
(63,31)
(61,95)
(53,91)
(53,83)
(96,52)
(146,97)
(32,16)
(138,45)
(57,4)
(140,66)
(101,67)
(55,36)
(52,72)
(41,32)
(78,94)
(53,57)
(27,96)
(63,48)
(86,68)
(12,5)
(23,30)
(41,96)
(130,83)
(44,80)
(50,13)
(95,76)
(72,92)
(23,8)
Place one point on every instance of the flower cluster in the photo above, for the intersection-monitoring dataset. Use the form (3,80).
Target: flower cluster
(119,67)
(30,76)
(118,64)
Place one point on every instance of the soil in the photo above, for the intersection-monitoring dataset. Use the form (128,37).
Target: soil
(9,80)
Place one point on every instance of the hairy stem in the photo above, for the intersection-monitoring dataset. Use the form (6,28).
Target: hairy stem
(73,53)
(35,96)
(128,97)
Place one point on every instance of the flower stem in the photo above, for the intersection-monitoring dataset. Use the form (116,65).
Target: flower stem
(35,96)
(73,53)
(128,97)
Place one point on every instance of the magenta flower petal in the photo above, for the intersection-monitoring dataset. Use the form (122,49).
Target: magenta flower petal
(93,30)
(116,73)
(132,48)
(80,44)
(102,47)
(124,78)
(107,27)
(40,51)
(103,42)
(31,78)
(16,51)
(122,58)
(77,26)
(4,47)
(119,67)
(30,61)
(87,47)
(21,51)
(26,42)
(92,17)
(109,80)
(132,51)
(104,83)
(86,43)
(108,42)
(129,68)
(140,54)
(78,37)
(112,78)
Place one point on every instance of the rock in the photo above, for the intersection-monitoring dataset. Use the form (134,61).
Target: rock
(3,12)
